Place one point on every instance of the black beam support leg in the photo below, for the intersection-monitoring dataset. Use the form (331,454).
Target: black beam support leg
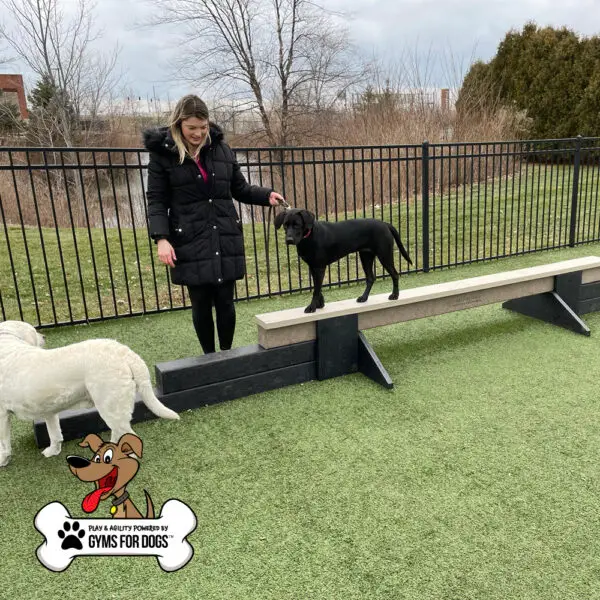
(343,349)
(557,307)
(370,365)
(337,346)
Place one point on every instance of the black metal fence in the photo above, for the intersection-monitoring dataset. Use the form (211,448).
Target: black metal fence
(76,248)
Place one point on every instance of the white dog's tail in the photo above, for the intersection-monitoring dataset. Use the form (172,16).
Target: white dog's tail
(141,376)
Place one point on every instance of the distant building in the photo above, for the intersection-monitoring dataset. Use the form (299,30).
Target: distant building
(12,88)
(410,98)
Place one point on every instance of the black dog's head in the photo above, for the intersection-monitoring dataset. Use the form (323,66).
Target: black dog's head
(297,223)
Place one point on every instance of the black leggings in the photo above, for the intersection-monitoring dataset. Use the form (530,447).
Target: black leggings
(203,298)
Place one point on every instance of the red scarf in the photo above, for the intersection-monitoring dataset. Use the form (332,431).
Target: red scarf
(202,171)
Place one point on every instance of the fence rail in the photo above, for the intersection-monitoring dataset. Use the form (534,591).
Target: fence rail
(77,247)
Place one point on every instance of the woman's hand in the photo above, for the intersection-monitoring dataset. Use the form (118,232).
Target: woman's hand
(166,253)
(276,199)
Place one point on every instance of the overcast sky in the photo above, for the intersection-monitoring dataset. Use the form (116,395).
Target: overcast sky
(389,28)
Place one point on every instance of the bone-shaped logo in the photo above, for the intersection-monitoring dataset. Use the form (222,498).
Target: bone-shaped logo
(67,537)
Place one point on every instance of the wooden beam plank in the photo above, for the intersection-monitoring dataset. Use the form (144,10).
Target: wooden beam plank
(393,313)
(541,273)
(590,275)
(295,334)
(440,306)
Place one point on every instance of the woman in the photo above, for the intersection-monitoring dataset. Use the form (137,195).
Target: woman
(192,177)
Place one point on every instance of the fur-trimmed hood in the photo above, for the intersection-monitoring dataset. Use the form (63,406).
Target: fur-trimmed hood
(159,139)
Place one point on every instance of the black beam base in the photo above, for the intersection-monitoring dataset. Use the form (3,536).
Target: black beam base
(76,424)
(187,373)
(239,387)
(201,381)
(589,298)
(551,308)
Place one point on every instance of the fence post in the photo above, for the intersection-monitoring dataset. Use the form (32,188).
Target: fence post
(575,192)
(425,203)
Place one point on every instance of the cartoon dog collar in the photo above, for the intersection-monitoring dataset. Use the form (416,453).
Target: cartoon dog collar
(118,501)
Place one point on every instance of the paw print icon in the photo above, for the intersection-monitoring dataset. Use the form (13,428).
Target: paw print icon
(71,536)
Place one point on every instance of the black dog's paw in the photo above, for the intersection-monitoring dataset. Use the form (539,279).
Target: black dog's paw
(310,309)
(72,540)
(362,298)
(393,296)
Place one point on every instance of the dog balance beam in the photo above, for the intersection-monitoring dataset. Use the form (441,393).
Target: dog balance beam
(557,293)
(295,347)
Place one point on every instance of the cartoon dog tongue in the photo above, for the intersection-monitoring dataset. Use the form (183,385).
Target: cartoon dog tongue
(105,484)
(91,501)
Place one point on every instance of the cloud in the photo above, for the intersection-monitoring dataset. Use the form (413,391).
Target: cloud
(393,29)
(464,24)
(467,27)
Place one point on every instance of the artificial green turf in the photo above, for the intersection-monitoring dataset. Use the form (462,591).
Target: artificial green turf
(476,477)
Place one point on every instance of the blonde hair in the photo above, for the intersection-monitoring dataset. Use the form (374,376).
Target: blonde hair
(187,107)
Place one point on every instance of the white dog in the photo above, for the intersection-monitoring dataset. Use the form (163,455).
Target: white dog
(38,384)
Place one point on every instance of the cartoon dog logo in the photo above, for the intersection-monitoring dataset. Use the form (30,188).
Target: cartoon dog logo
(111,468)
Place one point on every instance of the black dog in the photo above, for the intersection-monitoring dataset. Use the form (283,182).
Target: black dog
(320,244)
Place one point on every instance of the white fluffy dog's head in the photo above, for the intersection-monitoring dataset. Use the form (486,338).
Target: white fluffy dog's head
(23,331)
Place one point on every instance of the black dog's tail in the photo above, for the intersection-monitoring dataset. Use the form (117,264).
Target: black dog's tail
(399,242)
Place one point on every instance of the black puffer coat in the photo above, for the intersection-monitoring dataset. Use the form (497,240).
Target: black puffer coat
(197,217)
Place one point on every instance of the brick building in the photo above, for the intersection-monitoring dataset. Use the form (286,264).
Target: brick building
(12,87)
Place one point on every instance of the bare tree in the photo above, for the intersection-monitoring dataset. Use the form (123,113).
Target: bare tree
(58,48)
(5,58)
(289,54)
